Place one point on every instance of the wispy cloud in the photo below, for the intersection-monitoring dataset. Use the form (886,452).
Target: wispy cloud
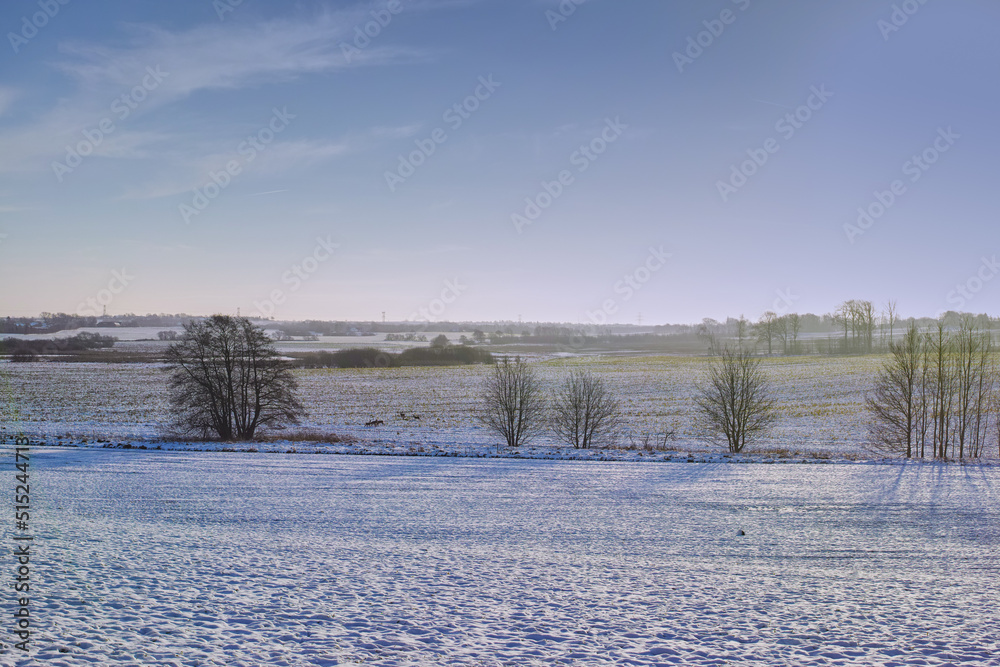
(224,55)
(210,57)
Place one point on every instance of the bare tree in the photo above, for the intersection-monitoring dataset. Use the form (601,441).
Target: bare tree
(794,327)
(891,316)
(227,379)
(736,403)
(864,313)
(781,332)
(767,329)
(512,403)
(894,402)
(858,318)
(943,382)
(707,332)
(939,389)
(742,330)
(584,412)
(974,383)
(842,318)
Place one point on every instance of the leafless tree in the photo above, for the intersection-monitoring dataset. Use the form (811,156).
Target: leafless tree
(974,385)
(864,313)
(742,331)
(781,332)
(736,403)
(858,318)
(228,380)
(708,333)
(891,316)
(584,412)
(937,390)
(894,402)
(767,329)
(794,327)
(942,388)
(513,405)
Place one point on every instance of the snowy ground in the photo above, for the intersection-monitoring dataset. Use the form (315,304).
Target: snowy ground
(822,402)
(174,558)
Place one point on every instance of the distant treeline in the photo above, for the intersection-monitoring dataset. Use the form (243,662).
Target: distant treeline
(370,357)
(53,322)
(27,350)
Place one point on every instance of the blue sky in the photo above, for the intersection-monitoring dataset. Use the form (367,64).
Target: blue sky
(583,161)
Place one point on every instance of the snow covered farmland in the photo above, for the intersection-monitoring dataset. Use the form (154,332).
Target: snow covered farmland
(822,401)
(179,558)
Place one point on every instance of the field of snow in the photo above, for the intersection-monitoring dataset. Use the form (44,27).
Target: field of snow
(175,558)
(821,398)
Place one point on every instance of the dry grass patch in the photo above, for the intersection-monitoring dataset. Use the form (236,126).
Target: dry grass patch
(309,435)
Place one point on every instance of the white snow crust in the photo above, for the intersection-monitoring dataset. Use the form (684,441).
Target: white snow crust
(238,559)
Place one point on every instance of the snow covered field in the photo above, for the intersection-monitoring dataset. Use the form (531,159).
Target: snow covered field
(822,401)
(177,558)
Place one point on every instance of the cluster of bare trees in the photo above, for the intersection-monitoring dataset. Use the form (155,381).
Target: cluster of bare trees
(857,326)
(860,319)
(736,405)
(938,394)
(772,332)
(582,411)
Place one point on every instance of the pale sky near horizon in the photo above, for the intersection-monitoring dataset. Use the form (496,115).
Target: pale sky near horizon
(200,156)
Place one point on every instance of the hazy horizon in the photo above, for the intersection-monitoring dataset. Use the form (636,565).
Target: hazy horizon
(881,320)
(576,161)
